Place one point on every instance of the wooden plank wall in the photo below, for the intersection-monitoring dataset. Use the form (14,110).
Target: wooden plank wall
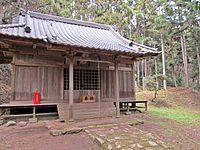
(45,80)
(45,74)
(107,85)
(91,110)
(125,87)
(37,60)
(26,82)
(37,78)
(107,109)
(50,82)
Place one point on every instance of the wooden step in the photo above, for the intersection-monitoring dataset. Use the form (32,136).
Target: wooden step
(107,109)
(63,111)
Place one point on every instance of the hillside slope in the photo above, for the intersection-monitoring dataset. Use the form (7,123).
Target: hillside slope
(173,97)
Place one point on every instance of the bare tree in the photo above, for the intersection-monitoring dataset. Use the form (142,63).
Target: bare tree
(185,62)
(163,62)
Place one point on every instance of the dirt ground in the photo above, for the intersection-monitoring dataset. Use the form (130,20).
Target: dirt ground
(116,133)
(37,137)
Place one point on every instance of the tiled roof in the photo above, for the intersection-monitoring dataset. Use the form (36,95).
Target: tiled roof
(59,30)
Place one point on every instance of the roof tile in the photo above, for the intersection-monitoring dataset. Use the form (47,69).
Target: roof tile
(60,30)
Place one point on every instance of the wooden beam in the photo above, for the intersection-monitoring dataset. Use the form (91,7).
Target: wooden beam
(97,61)
(71,88)
(5,45)
(117,89)
(38,51)
(119,68)
(37,65)
(29,115)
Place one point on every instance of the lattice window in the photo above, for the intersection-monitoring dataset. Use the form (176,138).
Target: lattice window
(66,79)
(84,79)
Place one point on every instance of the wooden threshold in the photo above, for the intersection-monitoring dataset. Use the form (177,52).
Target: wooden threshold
(29,115)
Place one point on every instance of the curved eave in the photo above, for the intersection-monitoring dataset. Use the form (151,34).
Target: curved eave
(127,42)
(117,52)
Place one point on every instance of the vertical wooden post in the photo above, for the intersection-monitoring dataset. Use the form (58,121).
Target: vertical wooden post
(62,85)
(146,106)
(133,80)
(117,90)
(138,74)
(34,112)
(71,88)
(99,88)
(13,77)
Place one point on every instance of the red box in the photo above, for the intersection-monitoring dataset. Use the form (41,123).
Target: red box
(36,98)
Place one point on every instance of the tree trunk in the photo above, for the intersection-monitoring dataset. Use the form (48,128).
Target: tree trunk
(198,59)
(185,63)
(174,76)
(144,64)
(157,85)
(163,63)
(2,10)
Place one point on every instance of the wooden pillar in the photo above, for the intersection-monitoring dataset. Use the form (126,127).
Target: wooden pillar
(138,74)
(62,85)
(117,90)
(13,77)
(133,80)
(71,88)
(99,88)
(34,112)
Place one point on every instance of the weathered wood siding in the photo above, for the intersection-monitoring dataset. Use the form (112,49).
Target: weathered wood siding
(46,80)
(125,84)
(45,75)
(107,109)
(26,82)
(107,85)
(92,110)
(50,82)
(37,60)
(38,74)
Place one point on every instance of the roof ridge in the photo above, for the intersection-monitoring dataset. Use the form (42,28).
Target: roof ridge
(12,25)
(66,20)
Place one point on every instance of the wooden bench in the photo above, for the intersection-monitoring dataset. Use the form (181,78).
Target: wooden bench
(26,105)
(131,104)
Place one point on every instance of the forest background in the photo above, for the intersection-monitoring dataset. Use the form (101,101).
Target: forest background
(171,26)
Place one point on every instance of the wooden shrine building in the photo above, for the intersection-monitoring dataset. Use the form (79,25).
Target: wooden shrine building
(82,67)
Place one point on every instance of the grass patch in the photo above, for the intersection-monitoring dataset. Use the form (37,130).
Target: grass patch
(179,114)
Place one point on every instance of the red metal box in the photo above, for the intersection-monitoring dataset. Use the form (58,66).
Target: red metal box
(36,98)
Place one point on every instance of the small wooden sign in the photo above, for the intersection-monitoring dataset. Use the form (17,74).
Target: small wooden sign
(87,98)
